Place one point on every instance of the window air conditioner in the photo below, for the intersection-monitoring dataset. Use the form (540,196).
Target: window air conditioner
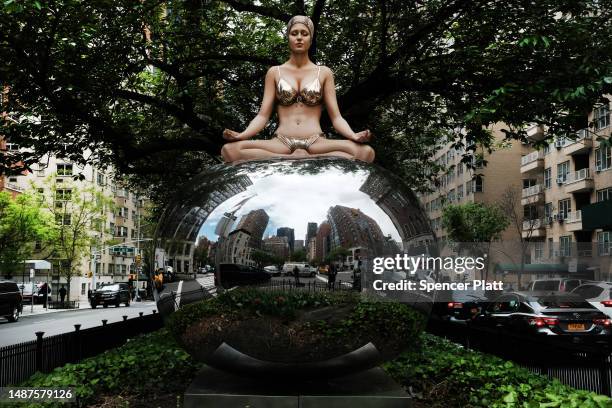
(598,168)
(560,180)
(559,143)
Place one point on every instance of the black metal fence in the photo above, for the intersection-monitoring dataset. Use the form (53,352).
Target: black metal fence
(19,361)
(310,286)
(583,366)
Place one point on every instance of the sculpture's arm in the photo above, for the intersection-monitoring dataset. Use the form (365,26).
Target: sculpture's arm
(267,106)
(339,123)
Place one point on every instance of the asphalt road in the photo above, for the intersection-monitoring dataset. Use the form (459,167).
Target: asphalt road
(53,323)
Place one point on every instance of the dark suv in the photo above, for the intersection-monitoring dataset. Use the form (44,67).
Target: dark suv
(10,301)
(110,294)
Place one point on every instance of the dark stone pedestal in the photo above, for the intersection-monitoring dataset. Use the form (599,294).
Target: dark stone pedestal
(368,389)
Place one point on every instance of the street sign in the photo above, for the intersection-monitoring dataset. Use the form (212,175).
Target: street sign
(32,273)
(572,266)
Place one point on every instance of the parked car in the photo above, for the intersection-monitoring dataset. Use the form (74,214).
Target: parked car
(555,284)
(272,270)
(547,314)
(598,294)
(111,294)
(234,274)
(324,269)
(459,305)
(11,302)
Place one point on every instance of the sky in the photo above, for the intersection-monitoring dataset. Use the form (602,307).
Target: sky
(293,200)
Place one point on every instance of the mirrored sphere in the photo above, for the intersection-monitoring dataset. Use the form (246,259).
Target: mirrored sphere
(285,226)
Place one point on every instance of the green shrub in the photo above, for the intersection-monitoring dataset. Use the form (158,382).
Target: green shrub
(443,371)
(151,363)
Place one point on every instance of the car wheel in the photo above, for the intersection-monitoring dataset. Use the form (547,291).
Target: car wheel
(118,303)
(105,305)
(312,274)
(127,304)
(93,305)
(14,316)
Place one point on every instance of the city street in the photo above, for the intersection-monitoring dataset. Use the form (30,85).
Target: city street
(64,321)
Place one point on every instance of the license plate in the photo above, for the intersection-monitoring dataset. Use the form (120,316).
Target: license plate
(575,326)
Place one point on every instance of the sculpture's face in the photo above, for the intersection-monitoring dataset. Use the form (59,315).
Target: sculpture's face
(299,38)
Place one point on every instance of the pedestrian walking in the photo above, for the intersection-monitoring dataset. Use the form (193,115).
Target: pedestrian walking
(331,276)
(62,293)
(296,275)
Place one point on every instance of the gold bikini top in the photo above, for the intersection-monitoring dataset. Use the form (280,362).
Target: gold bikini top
(310,95)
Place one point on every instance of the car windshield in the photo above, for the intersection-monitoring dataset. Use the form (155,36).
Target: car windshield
(108,288)
(563,303)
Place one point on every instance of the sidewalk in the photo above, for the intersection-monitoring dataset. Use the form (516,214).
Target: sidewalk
(28,310)
(40,309)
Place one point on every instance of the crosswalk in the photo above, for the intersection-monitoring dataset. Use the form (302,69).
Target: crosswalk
(208,283)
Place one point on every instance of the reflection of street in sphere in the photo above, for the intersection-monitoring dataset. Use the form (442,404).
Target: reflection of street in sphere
(259,222)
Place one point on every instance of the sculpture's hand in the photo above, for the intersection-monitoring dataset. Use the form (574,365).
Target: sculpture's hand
(363,136)
(231,135)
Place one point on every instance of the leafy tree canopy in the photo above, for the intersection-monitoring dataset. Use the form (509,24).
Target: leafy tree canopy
(148,86)
(473,222)
(22,223)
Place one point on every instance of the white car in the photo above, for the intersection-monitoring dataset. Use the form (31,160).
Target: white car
(599,294)
(272,270)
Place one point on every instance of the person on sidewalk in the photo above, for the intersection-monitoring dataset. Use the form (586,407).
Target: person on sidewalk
(296,275)
(62,293)
(331,276)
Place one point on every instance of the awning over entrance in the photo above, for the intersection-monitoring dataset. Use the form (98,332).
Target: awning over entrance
(597,215)
(37,264)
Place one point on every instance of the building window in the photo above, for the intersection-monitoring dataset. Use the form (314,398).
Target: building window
(604,195)
(565,207)
(546,149)
(62,219)
(539,250)
(64,169)
(63,194)
(459,169)
(12,147)
(460,192)
(565,245)
(548,212)
(550,248)
(603,158)
(100,179)
(601,117)
(477,184)
(562,172)
(603,243)
(83,288)
(547,177)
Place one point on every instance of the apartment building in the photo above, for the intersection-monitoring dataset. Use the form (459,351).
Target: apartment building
(483,184)
(120,229)
(488,184)
(567,199)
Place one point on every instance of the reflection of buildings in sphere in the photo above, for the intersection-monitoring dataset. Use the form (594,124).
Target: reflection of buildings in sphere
(351,228)
(179,236)
(322,242)
(255,223)
(406,216)
(289,234)
(236,248)
(277,246)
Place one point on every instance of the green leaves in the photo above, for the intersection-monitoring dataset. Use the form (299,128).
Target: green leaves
(481,380)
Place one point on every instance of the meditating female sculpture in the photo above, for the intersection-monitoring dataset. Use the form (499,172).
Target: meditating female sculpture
(300,88)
